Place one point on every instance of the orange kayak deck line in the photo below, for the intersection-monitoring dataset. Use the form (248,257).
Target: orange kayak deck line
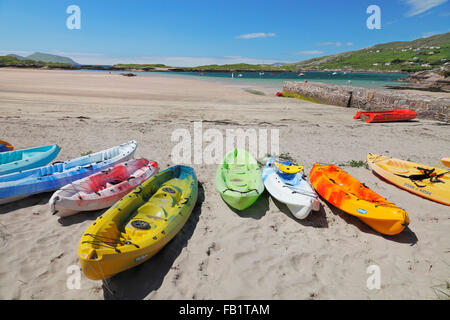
(351,196)
(413,177)
(386,116)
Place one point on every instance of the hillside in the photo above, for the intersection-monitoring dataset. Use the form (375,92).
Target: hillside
(16,56)
(45,57)
(11,61)
(410,56)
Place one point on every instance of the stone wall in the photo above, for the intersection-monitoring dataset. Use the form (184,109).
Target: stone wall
(435,107)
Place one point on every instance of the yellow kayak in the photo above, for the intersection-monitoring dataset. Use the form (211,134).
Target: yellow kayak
(429,182)
(446,161)
(138,225)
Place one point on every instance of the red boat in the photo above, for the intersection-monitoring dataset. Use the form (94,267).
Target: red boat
(385,116)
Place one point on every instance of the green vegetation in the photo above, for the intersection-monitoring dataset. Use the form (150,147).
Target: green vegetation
(86,153)
(9,61)
(50,58)
(289,94)
(420,54)
(355,164)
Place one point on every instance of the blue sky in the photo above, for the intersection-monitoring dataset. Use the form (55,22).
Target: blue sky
(190,32)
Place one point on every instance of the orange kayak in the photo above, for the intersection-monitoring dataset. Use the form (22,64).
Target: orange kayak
(5,146)
(351,196)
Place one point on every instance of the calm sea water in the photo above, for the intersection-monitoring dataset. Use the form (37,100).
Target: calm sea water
(276,79)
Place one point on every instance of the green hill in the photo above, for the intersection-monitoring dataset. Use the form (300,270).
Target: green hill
(11,61)
(45,57)
(16,56)
(410,56)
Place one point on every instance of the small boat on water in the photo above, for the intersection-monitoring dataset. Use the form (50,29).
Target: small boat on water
(301,74)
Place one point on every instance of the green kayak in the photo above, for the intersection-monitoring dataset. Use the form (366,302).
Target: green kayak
(238,179)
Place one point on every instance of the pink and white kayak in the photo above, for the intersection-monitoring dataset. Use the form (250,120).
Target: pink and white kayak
(103,189)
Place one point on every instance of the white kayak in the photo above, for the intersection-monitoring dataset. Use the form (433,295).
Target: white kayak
(290,188)
(103,189)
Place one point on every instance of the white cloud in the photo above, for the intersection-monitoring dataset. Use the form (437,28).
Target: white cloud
(309,52)
(420,6)
(255,35)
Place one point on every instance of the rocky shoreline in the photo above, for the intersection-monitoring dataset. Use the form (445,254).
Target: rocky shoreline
(426,106)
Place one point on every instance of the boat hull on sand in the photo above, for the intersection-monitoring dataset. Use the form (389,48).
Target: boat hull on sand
(102,189)
(140,224)
(351,196)
(428,182)
(290,189)
(53,177)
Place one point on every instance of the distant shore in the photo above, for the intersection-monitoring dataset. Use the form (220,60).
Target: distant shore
(412,82)
(191,69)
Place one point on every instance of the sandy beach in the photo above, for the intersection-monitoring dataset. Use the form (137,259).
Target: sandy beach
(262,253)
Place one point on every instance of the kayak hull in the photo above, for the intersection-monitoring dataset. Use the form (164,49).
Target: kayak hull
(53,177)
(396,171)
(386,116)
(238,179)
(101,190)
(295,192)
(5,146)
(351,196)
(139,225)
(25,159)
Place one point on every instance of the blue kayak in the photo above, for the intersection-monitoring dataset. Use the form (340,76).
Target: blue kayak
(25,159)
(22,184)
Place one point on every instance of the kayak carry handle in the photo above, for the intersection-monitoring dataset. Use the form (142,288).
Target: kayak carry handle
(241,192)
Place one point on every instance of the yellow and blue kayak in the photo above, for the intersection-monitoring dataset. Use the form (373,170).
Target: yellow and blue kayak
(140,224)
